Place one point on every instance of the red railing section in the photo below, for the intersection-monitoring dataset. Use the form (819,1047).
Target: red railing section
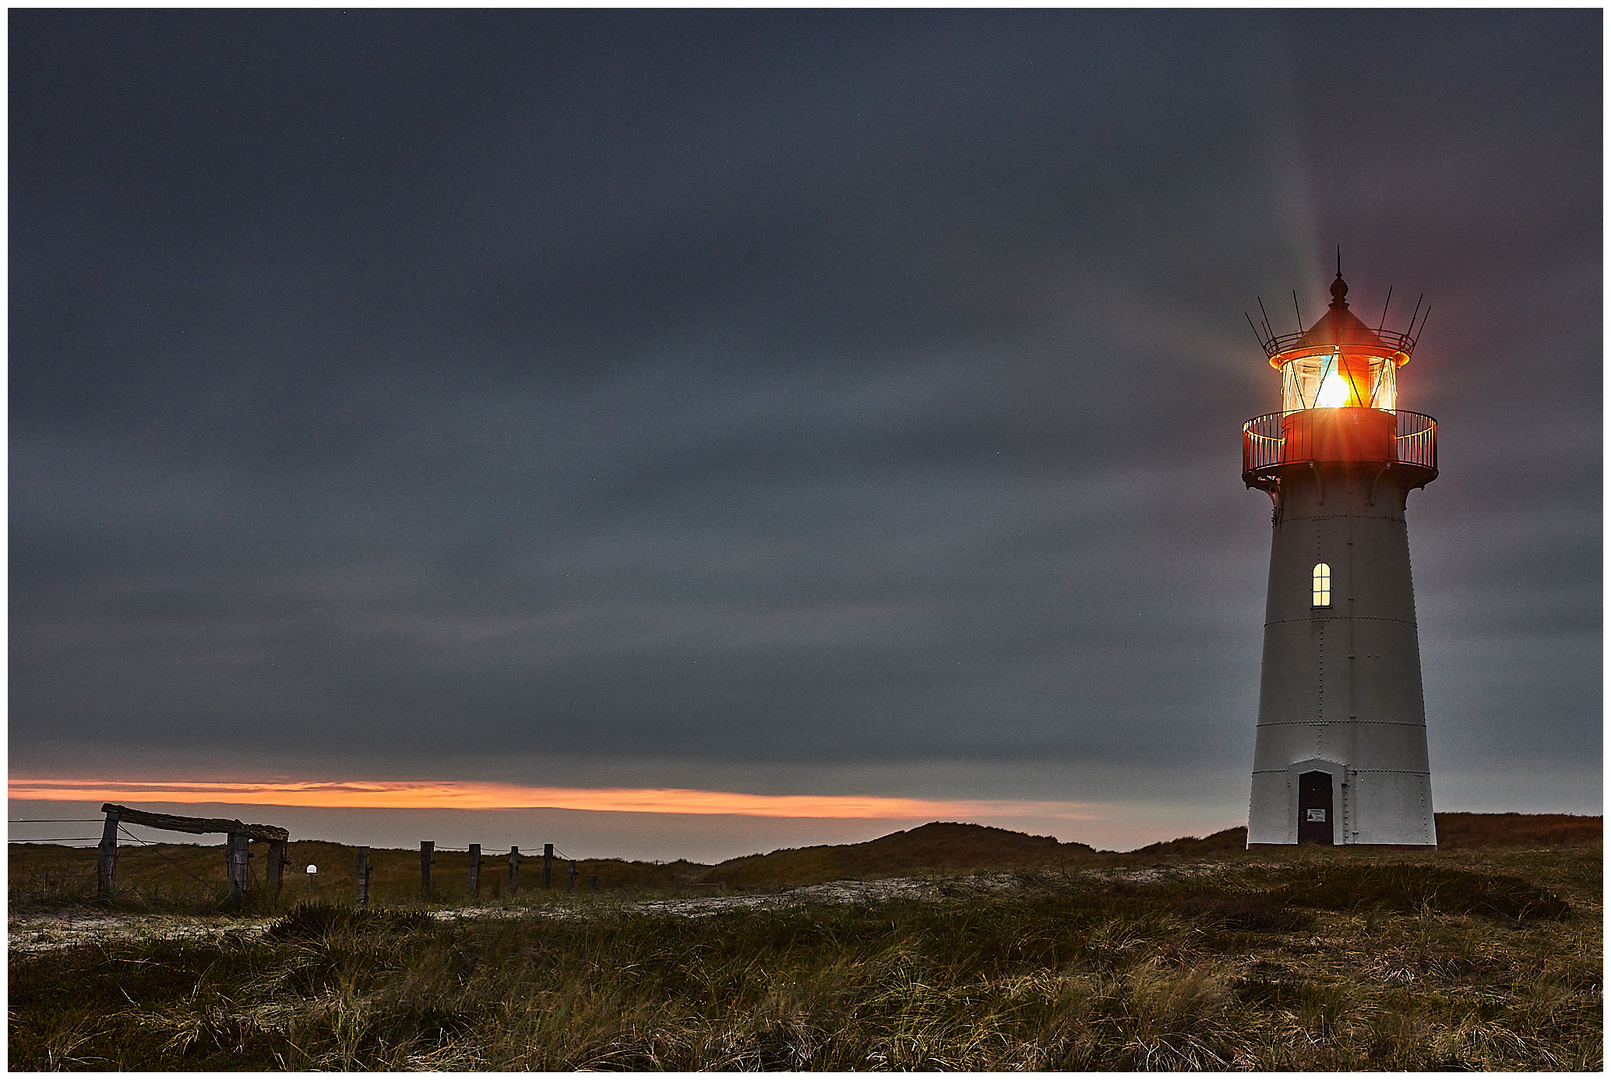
(1281,438)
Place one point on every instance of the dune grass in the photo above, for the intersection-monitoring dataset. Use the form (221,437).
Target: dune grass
(1317,959)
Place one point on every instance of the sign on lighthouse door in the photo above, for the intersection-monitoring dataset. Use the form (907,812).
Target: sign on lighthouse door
(1314,808)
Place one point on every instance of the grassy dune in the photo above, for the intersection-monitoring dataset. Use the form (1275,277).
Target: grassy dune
(1196,955)
(187,877)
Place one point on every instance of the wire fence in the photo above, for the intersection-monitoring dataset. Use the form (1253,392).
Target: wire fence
(146,851)
(151,845)
(533,851)
(53,821)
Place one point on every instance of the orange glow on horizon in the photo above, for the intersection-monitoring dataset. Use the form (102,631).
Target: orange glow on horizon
(476,795)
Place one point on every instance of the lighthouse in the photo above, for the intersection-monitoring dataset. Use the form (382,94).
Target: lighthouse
(1340,756)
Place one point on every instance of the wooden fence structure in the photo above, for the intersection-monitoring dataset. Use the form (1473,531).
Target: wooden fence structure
(238,834)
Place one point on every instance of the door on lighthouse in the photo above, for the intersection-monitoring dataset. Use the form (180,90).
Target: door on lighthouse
(1314,808)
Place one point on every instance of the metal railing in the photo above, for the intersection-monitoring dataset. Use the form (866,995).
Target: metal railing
(1262,442)
(1276,345)
(1415,442)
(1415,437)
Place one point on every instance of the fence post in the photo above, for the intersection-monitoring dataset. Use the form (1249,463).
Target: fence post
(475,869)
(363,877)
(427,856)
(570,879)
(592,883)
(548,866)
(514,870)
(276,865)
(235,856)
(106,863)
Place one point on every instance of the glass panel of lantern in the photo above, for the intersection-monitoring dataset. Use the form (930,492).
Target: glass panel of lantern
(1338,379)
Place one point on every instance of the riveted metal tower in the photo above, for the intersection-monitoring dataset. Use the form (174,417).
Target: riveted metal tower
(1341,751)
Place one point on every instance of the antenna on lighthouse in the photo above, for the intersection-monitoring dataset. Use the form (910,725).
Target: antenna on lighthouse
(1297,309)
(1253,328)
(1414,313)
(1424,318)
(1383,321)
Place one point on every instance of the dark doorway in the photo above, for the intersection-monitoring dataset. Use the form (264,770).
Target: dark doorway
(1314,808)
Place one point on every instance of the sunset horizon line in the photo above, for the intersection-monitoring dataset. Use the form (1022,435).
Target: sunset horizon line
(488,795)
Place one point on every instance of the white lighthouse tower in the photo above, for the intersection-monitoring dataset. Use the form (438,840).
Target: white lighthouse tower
(1341,751)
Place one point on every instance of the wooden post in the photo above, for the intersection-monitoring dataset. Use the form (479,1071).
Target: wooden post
(427,856)
(548,866)
(235,856)
(570,879)
(363,877)
(592,883)
(475,869)
(276,865)
(514,870)
(106,864)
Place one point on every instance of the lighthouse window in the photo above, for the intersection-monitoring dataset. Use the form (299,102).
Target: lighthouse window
(1322,585)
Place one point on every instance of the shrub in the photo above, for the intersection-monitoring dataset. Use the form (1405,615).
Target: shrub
(1409,887)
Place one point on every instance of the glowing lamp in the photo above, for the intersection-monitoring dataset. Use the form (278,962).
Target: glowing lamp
(1336,392)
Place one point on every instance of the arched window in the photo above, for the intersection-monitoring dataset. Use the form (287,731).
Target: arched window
(1322,585)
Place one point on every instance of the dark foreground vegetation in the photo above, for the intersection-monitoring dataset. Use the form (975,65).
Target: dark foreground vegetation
(1198,956)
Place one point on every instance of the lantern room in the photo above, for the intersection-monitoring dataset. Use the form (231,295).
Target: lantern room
(1339,399)
(1339,363)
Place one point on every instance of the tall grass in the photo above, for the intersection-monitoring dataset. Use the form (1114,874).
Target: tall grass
(1327,961)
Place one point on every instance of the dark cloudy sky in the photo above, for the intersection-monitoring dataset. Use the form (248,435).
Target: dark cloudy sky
(802,403)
